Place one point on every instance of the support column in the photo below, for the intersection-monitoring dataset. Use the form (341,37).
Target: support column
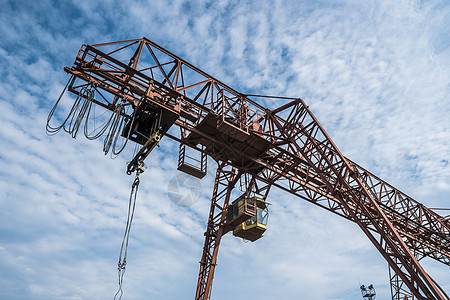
(399,290)
(226,178)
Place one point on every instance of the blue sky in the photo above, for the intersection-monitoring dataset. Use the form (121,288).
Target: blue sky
(375,73)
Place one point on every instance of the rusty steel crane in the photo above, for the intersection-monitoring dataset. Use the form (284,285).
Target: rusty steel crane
(148,89)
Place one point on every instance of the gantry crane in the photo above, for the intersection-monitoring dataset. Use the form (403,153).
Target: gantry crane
(148,90)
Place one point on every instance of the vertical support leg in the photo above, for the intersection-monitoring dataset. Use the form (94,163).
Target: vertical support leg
(399,290)
(226,178)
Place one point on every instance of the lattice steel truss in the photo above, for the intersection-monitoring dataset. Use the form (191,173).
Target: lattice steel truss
(285,147)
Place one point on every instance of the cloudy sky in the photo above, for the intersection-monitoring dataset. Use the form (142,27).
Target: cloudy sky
(375,73)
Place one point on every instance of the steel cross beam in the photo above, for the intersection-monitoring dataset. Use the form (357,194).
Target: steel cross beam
(295,153)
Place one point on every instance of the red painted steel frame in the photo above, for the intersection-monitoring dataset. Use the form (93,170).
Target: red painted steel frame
(285,147)
(226,178)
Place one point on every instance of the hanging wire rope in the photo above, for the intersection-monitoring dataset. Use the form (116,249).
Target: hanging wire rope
(121,265)
(54,130)
(118,121)
(84,110)
(80,108)
(77,113)
(97,131)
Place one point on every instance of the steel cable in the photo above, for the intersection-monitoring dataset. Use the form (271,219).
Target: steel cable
(76,114)
(114,151)
(82,110)
(79,109)
(103,127)
(121,265)
(54,130)
(115,124)
(115,130)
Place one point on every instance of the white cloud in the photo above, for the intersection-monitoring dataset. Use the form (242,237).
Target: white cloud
(376,75)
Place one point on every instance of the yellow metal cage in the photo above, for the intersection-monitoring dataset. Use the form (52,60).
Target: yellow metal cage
(249,217)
